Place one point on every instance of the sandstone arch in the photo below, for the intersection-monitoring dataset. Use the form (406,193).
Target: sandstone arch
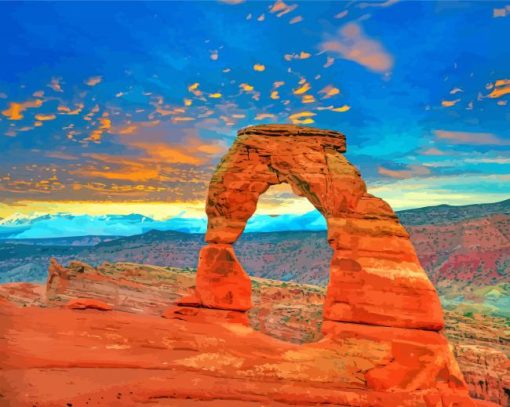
(375,275)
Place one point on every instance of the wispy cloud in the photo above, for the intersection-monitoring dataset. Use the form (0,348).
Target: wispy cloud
(404,173)
(56,85)
(280,8)
(465,137)
(93,80)
(352,44)
(386,3)
(501,12)
(500,88)
(15,110)
(232,2)
(449,103)
(433,151)
(302,117)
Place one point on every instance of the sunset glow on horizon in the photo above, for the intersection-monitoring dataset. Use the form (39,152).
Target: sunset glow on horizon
(133,115)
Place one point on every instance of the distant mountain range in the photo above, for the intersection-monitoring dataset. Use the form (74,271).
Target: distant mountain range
(465,250)
(67,225)
(445,214)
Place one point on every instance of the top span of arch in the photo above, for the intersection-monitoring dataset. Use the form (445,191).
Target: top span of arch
(282,130)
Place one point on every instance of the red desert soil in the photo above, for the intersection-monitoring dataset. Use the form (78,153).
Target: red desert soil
(56,356)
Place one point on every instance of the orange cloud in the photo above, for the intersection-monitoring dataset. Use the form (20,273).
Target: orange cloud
(262,116)
(193,88)
(62,156)
(281,8)
(341,109)
(499,12)
(259,67)
(302,117)
(15,110)
(329,91)
(246,87)
(130,170)
(308,99)
(45,117)
(502,82)
(352,44)
(305,87)
(410,172)
(96,135)
(180,119)
(464,137)
(93,80)
(66,110)
(296,20)
(55,85)
(301,55)
(501,88)
(449,103)
(329,61)
(433,151)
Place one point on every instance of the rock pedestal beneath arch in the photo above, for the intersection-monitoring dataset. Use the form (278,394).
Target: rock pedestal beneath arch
(225,284)
(375,276)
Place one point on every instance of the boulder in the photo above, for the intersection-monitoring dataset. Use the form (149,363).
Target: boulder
(88,303)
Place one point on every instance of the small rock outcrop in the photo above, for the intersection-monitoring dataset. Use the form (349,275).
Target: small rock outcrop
(88,303)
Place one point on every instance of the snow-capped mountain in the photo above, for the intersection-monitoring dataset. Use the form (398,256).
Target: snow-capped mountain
(67,225)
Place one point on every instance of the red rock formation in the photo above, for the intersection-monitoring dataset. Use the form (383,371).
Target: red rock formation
(202,358)
(375,276)
(126,286)
(88,303)
(377,289)
(392,360)
(226,285)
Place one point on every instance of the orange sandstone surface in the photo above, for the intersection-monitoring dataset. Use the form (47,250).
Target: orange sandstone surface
(148,351)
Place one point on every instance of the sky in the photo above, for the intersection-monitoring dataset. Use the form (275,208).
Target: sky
(128,107)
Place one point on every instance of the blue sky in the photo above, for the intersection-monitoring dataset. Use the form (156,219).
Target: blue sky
(112,107)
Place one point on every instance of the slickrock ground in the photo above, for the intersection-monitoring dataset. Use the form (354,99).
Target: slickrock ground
(132,356)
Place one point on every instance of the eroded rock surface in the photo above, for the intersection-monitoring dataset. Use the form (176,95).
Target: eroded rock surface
(103,354)
(375,276)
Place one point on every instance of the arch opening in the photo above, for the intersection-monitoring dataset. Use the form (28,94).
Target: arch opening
(288,264)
